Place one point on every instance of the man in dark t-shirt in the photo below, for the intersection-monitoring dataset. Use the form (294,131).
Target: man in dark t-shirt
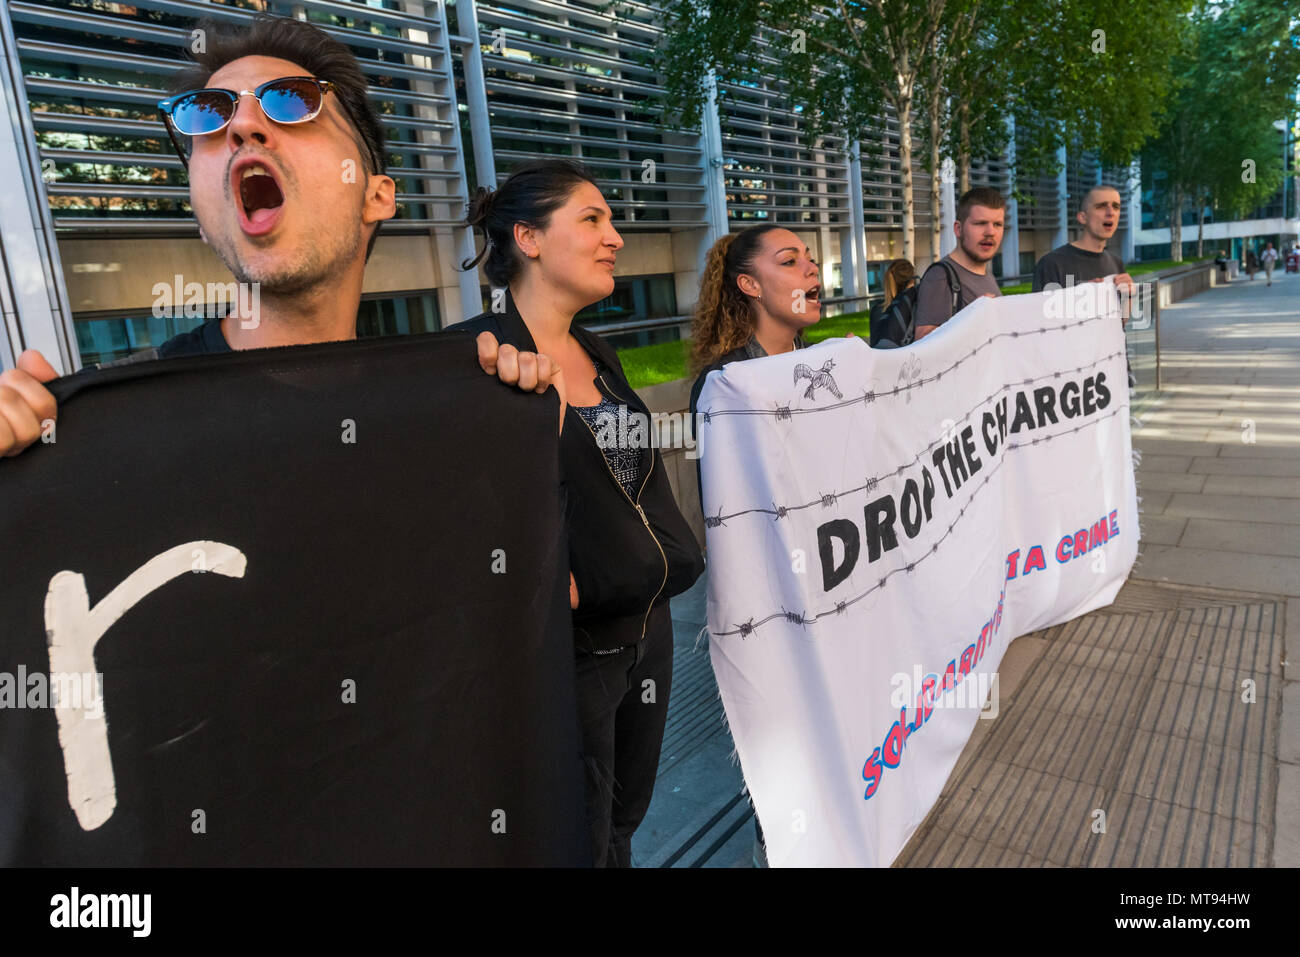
(1087,259)
(268,198)
(1071,265)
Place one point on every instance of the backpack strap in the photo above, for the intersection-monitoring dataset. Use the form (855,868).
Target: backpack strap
(954,283)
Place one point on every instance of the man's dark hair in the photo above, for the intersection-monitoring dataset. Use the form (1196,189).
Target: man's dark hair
(1086,198)
(309,47)
(979,196)
(529,195)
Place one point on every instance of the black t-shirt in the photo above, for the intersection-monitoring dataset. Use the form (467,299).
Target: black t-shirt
(205,340)
(1069,260)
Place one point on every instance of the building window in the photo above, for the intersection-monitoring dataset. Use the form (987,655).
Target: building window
(640,297)
(104,338)
(403,314)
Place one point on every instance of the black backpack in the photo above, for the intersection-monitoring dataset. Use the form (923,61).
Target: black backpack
(895,326)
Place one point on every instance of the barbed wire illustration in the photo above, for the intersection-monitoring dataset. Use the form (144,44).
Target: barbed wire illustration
(781,511)
(747,628)
(785,412)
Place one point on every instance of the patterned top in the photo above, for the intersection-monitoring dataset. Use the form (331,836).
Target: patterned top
(617,436)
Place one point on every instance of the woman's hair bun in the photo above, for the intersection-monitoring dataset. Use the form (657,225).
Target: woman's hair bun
(480,206)
(529,195)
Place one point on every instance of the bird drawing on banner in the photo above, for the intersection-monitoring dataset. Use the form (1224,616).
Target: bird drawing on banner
(819,379)
(909,374)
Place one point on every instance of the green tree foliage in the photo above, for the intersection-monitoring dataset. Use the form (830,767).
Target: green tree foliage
(1237,65)
(1092,73)
(843,61)
(1086,74)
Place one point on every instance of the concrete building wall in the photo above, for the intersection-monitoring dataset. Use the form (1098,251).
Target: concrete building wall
(119,275)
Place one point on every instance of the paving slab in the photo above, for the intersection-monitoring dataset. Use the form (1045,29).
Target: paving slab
(1154,481)
(1150,444)
(1153,502)
(1231,446)
(1213,568)
(1288,745)
(1162,529)
(1291,653)
(1166,463)
(1241,466)
(1248,537)
(1255,486)
(1286,839)
(1243,507)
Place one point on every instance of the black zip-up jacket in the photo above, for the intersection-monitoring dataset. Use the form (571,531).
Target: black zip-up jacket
(627,555)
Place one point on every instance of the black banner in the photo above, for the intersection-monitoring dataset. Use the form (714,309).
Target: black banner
(301,606)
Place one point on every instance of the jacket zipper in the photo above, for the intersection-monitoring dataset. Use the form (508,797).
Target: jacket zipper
(645,621)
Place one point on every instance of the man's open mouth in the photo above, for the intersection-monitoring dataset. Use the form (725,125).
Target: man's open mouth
(814,293)
(260,198)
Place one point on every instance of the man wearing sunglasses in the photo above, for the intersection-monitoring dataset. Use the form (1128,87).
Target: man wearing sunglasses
(286,168)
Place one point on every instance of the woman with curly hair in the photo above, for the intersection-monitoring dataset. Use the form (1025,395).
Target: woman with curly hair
(761,288)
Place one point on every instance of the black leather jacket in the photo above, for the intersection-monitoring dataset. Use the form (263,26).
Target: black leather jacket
(627,555)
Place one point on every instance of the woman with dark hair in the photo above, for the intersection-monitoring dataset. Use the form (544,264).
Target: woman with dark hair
(550,247)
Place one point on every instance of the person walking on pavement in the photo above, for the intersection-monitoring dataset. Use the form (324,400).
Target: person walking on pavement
(1270,258)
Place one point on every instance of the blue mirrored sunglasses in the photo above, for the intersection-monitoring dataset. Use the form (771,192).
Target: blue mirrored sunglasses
(288,100)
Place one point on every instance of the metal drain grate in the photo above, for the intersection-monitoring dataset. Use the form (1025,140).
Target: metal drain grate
(695,714)
(1136,714)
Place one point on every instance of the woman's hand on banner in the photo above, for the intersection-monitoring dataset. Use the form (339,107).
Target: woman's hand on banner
(25,404)
(529,371)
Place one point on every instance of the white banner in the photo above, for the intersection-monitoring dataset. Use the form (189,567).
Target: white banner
(881,524)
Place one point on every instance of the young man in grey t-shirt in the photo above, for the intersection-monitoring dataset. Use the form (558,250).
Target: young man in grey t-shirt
(981,219)
(1087,259)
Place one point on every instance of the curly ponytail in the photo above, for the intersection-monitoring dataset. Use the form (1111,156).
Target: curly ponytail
(724,317)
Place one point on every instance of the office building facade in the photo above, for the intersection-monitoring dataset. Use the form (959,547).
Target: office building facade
(99,217)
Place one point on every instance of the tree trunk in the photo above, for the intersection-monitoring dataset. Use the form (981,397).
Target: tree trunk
(936,183)
(963,121)
(1200,229)
(904,110)
(1176,226)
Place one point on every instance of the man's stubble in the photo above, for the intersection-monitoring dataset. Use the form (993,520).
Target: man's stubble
(312,264)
